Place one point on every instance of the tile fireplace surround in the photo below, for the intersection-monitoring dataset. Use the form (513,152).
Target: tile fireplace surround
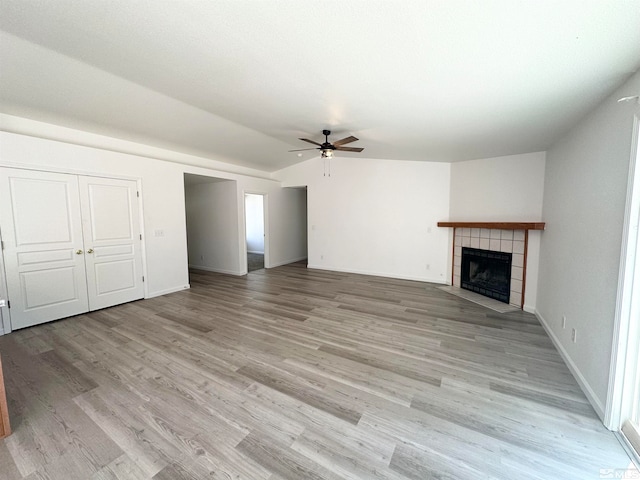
(499,237)
(511,241)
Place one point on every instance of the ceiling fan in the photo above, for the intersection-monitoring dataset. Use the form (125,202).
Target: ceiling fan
(327,148)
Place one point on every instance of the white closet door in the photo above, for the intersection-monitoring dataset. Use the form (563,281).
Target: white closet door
(112,241)
(43,246)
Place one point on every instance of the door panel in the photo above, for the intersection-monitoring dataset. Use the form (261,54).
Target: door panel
(112,240)
(47,287)
(50,256)
(42,231)
(37,202)
(115,276)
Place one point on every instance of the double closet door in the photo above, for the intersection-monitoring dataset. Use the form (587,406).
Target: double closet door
(71,244)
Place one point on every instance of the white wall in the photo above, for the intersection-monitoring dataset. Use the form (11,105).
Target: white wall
(254,222)
(584,204)
(163,194)
(212,227)
(507,189)
(376,217)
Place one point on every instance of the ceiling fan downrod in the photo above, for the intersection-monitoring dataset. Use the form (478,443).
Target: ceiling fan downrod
(326,145)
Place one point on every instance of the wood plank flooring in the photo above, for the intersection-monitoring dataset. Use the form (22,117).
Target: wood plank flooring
(291,373)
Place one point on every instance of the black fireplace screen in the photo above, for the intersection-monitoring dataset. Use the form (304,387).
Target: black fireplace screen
(486,272)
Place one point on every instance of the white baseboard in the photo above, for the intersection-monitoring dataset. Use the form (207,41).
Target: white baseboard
(167,291)
(252,251)
(573,368)
(380,274)
(286,262)
(529,309)
(217,270)
(628,436)
(1,331)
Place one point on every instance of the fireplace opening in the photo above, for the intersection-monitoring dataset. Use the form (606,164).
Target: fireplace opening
(486,272)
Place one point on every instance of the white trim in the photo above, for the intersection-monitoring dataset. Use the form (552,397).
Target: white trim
(529,309)
(573,368)
(287,262)
(622,346)
(143,241)
(631,435)
(439,281)
(167,291)
(217,270)
(628,448)
(252,251)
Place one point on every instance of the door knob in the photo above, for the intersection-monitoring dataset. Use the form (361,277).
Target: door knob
(90,250)
(78,252)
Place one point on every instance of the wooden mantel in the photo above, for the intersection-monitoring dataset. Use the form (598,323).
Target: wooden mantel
(496,225)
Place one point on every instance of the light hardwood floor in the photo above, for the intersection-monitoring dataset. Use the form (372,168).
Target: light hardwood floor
(291,373)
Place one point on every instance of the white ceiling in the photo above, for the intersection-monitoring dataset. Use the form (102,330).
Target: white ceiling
(241,80)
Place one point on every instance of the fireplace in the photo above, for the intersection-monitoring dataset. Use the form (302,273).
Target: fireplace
(486,272)
(500,237)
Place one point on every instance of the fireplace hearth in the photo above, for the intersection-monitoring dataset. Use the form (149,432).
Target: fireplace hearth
(486,272)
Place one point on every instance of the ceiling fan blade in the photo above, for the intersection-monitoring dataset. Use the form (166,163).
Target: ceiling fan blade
(349,149)
(303,149)
(344,141)
(310,141)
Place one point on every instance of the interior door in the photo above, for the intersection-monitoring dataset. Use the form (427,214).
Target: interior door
(112,241)
(43,246)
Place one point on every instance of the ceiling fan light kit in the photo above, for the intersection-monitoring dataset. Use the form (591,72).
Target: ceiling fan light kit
(326,148)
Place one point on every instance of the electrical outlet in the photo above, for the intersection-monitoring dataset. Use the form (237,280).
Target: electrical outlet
(321,257)
(573,335)
(201,257)
(158,233)
(428,267)
(564,321)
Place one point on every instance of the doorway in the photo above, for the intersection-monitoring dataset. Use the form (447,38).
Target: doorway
(254,230)
(623,403)
(212,221)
